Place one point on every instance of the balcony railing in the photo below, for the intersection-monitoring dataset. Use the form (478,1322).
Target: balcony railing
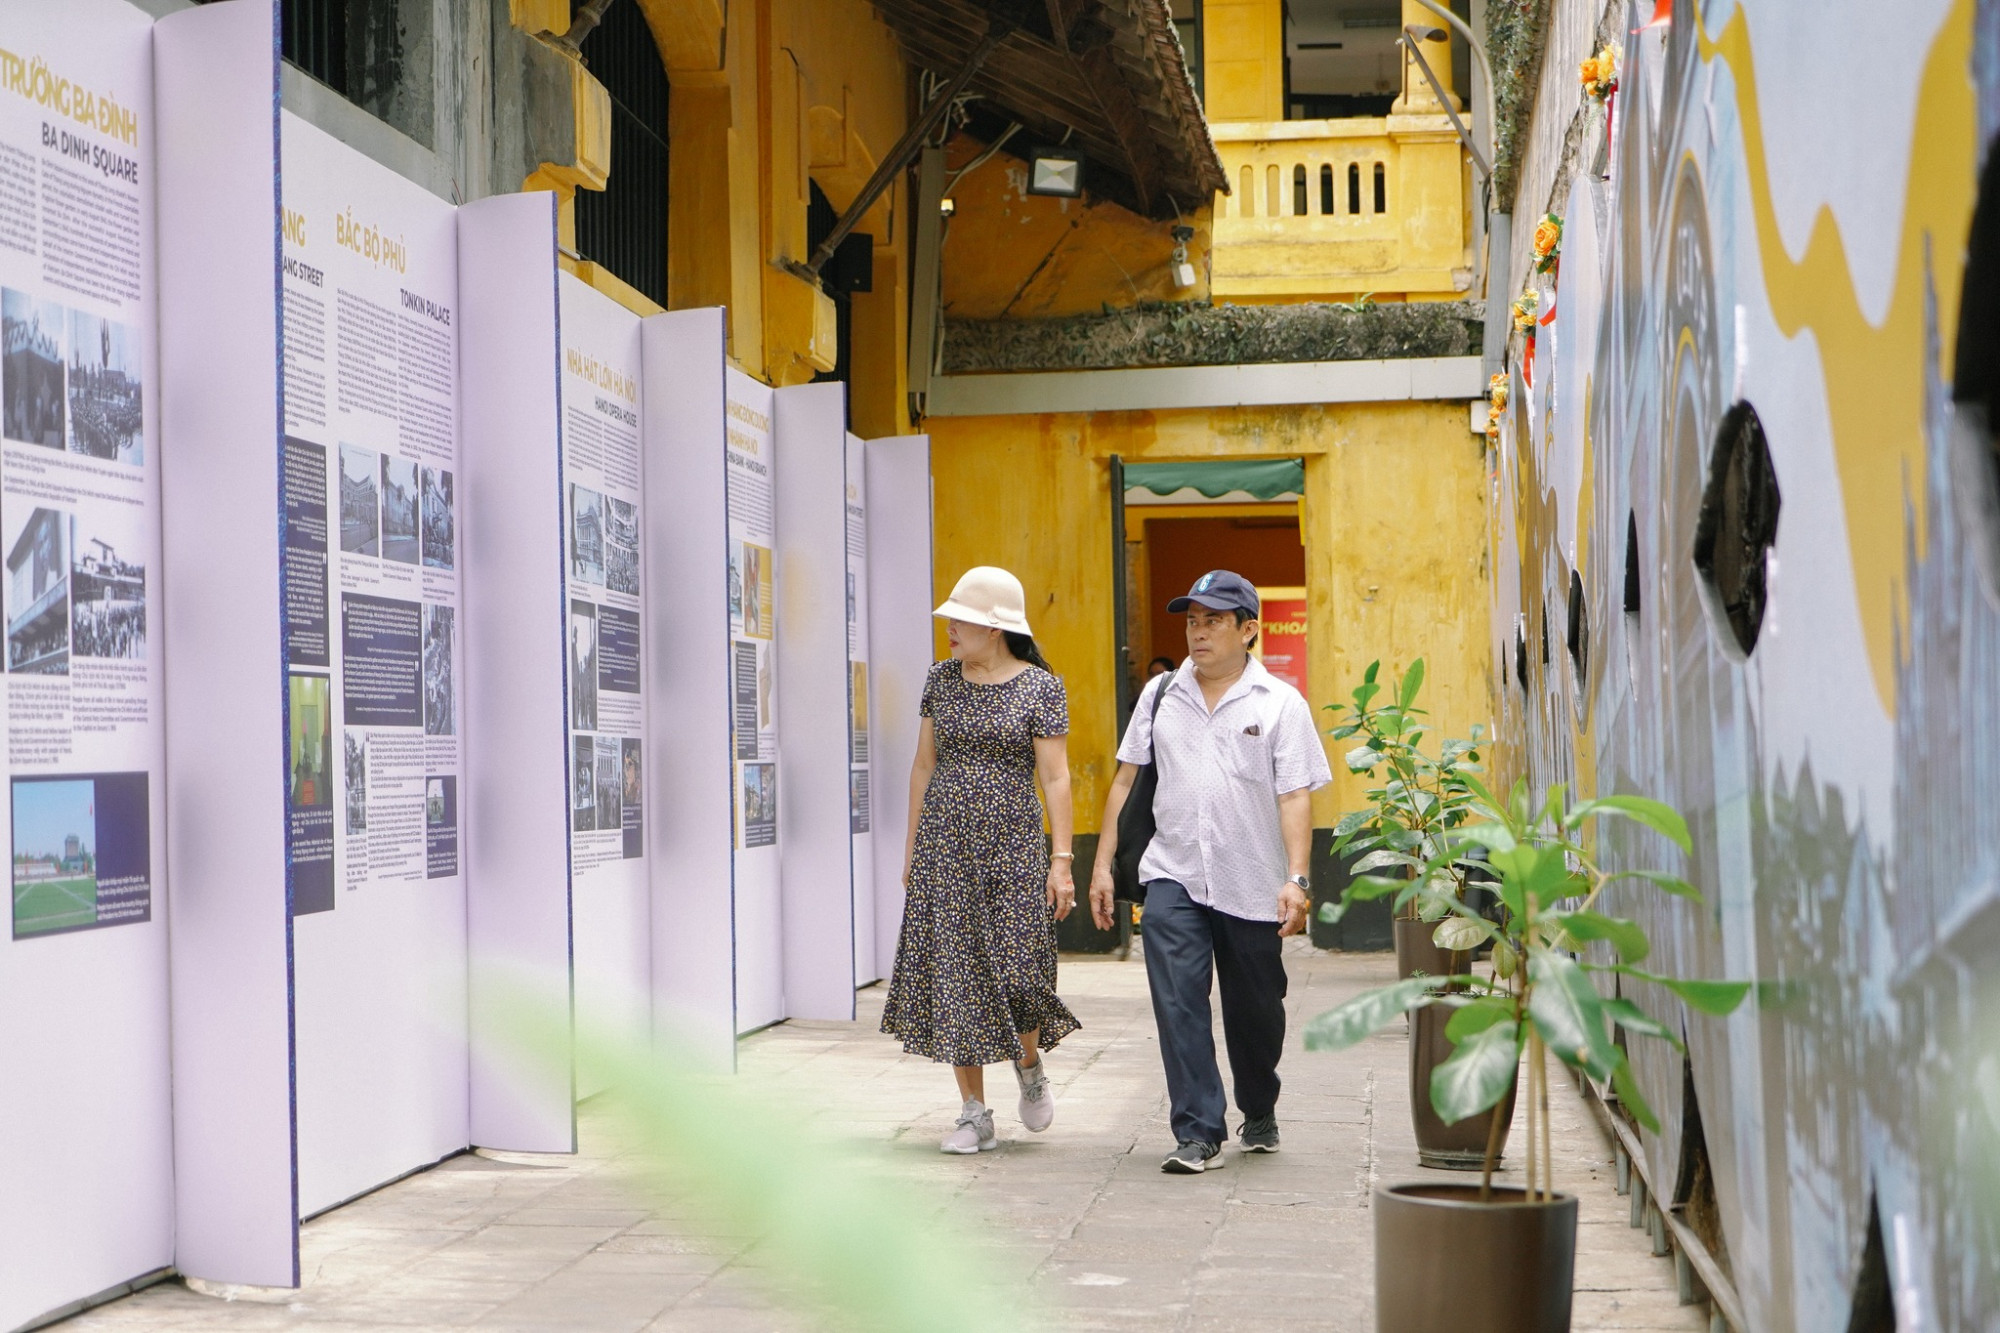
(1341,208)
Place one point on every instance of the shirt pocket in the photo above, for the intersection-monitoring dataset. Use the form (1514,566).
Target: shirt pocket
(1247,756)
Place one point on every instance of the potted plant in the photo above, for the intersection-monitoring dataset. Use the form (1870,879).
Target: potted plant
(1417,802)
(1514,1247)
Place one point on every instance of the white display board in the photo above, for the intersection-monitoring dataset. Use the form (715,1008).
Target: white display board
(235,1160)
(372,616)
(518,908)
(603,513)
(898,491)
(85,1159)
(814,675)
(751,504)
(691,778)
(861,757)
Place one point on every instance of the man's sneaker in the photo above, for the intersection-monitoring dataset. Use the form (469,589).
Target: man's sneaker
(1260,1134)
(1192,1158)
(973,1133)
(1038,1099)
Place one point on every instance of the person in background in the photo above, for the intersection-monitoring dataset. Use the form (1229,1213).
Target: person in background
(1159,666)
(1237,756)
(975,974)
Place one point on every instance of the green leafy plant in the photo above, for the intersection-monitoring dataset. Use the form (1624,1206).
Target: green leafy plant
(1420,799)
(1538,996)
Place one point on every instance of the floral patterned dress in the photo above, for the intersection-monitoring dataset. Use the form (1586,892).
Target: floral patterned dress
(976,962)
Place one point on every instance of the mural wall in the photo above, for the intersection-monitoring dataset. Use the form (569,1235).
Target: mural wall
(1738,524)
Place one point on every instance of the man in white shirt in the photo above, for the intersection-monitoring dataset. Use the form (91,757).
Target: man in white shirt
(1237,757)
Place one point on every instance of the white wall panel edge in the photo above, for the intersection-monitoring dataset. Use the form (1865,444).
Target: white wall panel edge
(816,863)
(216,102)
(690,817)
(516,803)
(900,588)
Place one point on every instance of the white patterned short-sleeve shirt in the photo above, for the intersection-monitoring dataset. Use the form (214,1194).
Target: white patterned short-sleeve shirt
(1220,775)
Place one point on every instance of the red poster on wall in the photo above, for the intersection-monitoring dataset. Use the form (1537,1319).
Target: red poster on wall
(1282,644)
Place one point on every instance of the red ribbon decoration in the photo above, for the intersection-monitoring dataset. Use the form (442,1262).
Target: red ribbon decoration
(1528,362)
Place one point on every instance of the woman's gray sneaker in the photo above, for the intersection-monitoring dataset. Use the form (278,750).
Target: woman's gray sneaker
(1038,1099)
(1192,1158)
(1260,1135)
(973,1133)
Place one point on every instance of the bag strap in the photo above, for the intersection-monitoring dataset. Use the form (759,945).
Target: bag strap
(1153,720)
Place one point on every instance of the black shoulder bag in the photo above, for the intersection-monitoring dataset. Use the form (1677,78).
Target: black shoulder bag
(1135,821)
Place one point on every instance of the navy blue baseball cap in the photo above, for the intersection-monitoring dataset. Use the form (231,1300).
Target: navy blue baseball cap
(1218,590)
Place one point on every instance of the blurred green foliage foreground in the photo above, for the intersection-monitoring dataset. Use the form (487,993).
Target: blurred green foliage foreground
(847,1245)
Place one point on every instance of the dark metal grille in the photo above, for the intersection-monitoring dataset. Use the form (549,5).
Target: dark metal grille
(624,226)
(312,34)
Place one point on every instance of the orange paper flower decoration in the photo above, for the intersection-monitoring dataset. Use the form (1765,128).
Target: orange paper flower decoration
(1600,72)
(1548,242)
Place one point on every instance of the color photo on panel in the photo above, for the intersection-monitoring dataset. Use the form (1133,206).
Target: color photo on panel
(81,853)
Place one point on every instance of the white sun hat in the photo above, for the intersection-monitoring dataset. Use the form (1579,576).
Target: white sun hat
(988,596)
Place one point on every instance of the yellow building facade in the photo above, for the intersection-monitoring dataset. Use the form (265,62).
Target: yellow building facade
(770,98)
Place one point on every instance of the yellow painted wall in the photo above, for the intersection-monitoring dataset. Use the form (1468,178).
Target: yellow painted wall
(1243,52)
(1393,521)
(1009,254)
(785,93)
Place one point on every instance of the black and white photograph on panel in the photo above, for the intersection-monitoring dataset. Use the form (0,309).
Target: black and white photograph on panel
(106,412)
(760,805)
(621,546)
(736,585)
(583,785)
(37,542)
(355,746)
(440,532)
(582,666)
(399,509)
(360,502)
(440,704)
(31,371)
(586,535)
(108,583)
(610,785)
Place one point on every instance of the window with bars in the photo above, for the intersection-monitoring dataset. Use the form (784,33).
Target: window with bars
(624,226)
(377,54)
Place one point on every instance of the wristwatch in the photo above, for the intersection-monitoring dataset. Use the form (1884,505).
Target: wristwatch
(1301,881)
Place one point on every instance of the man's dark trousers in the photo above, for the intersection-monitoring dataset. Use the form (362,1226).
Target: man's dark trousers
(1182,941)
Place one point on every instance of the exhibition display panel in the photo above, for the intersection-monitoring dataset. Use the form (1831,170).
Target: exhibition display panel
(371,575)
(474,580)
(815,674)
(85,1174)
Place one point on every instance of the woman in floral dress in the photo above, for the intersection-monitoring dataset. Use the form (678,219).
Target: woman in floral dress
(975,976)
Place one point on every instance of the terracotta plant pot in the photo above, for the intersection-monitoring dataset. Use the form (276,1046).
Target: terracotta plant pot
(1445,1262)
(1459,1147)
(1416,953)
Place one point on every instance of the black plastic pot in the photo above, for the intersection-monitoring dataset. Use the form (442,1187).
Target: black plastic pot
(1459,1147)
(1445,1262)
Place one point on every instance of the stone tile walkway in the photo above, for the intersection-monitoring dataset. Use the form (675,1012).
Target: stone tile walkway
(1080,1217)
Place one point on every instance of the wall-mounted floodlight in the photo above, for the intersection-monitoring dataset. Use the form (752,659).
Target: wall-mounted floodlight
(1055,171)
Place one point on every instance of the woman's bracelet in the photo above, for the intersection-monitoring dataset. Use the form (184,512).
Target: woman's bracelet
(1064,856)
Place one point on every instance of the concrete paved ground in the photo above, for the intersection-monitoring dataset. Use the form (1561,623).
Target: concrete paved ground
(1081,1218)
